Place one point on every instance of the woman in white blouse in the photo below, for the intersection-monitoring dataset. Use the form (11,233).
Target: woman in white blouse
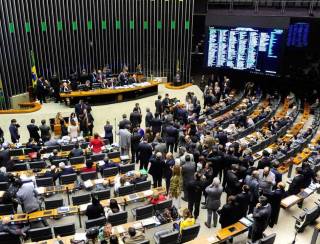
(73,129)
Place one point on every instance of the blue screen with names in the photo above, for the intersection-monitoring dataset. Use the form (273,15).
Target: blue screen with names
(253,49)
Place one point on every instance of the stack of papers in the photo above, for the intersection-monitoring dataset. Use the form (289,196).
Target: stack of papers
(80,237)
(120,229)
(148,193)
(148,221)
(83,207)
(245,221)
(88,184)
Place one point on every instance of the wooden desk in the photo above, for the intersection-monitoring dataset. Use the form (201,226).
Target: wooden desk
(205,240)
(65,240)
(225,233)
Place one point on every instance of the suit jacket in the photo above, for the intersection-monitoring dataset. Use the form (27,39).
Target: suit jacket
(148,119)
(188,170)
(228,215)
(172,134)
(124,123)
(213,197)
(144,152)
(156,168)
(261,217)
(156,125)
(33,131)
(135,141)
(233,184)
(125,138)
(159,107)
(296,185)
(14,132)
(195,189)
(76,152)
(135,118)
(78,109)
(45,132)
(243,200)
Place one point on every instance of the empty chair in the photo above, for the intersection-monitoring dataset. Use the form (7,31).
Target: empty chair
(110,172)
(67,147)
(112,155)
(57,161)
(6,209)
(308,217)
(44,182)
(88,176)
(102,195)
(20,167)
(81,199)
(50,149)
(40,234)
(268,239)
(37,165)
(64,230)
(170,238)
(143,212)
(6,238)
(143,186)
(52,204)
(96,222)
(190,233)
(68,179)
(163,205)
(77,160)
(126,168)
(118,218)
(98,157)
(3,186)
(125,190)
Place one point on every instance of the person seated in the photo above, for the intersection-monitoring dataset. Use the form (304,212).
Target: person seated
(95,210)
(87,86)
(96,144)
(156,198)
(138,177)
(89,167)
(114,207)
(120,181)
(65,170)
(133,236)
(51,172)
(33,145)
(14,229)
(54,155)
(76,151)
(105,233)
(106,164)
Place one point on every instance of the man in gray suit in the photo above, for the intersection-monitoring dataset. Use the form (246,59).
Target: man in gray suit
(261,217)
(214,192)
(188,170)
(124,141)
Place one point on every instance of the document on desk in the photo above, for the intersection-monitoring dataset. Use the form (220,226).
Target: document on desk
(80,237)
(246,222)
(83,207)
(120,229)
(290,200)
(138,225)
(148,193)
(40,190)
(88,184)
(148,221)
(99,181)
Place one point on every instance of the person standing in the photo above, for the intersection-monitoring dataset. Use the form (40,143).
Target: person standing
(148,118)
(229,212)
(156,169)
(195,189)
(14,132)
(275,200)
(176,186)
(108,132)
(33,130)
(169,163)
(124,122)
(135,141)
(253,182)
(55,84)
(158,105)
(144,153)
(135,118)
(73,129)
(41,90)
(96,144)
(188,170)
(214,192)
(125,140)
(261,217)
(172,134)
(45,131)
(243,201)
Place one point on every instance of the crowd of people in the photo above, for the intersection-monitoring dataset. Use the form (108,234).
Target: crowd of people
(198,161)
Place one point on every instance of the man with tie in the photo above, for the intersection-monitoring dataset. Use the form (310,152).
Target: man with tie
(13,128)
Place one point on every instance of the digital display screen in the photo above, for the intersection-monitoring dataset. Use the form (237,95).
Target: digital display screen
(253,49)
(298,35)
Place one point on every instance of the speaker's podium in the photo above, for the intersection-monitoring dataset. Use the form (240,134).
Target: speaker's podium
(177,80)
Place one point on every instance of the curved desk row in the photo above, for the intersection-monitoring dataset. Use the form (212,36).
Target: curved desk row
(29,107)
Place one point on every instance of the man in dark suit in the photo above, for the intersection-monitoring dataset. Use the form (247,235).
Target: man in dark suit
(243,200)
(45,131)
(158,104)
(265,161)
(135,141)
(156,124)
(135,118)
(275,200)
(4,156)
(64,170)
(55,84)
(76,151)
(298,182)
(229,212)
(172,137)
(232,181)
(124,123)
(222,137)
(33,130)
(41,90)
(195,188)
(54,155)
(148,118)
(78,108)
(166,102)
(144,153)
(261,217)
(13,129)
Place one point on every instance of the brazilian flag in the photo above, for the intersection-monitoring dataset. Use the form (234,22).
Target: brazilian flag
(33,70)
